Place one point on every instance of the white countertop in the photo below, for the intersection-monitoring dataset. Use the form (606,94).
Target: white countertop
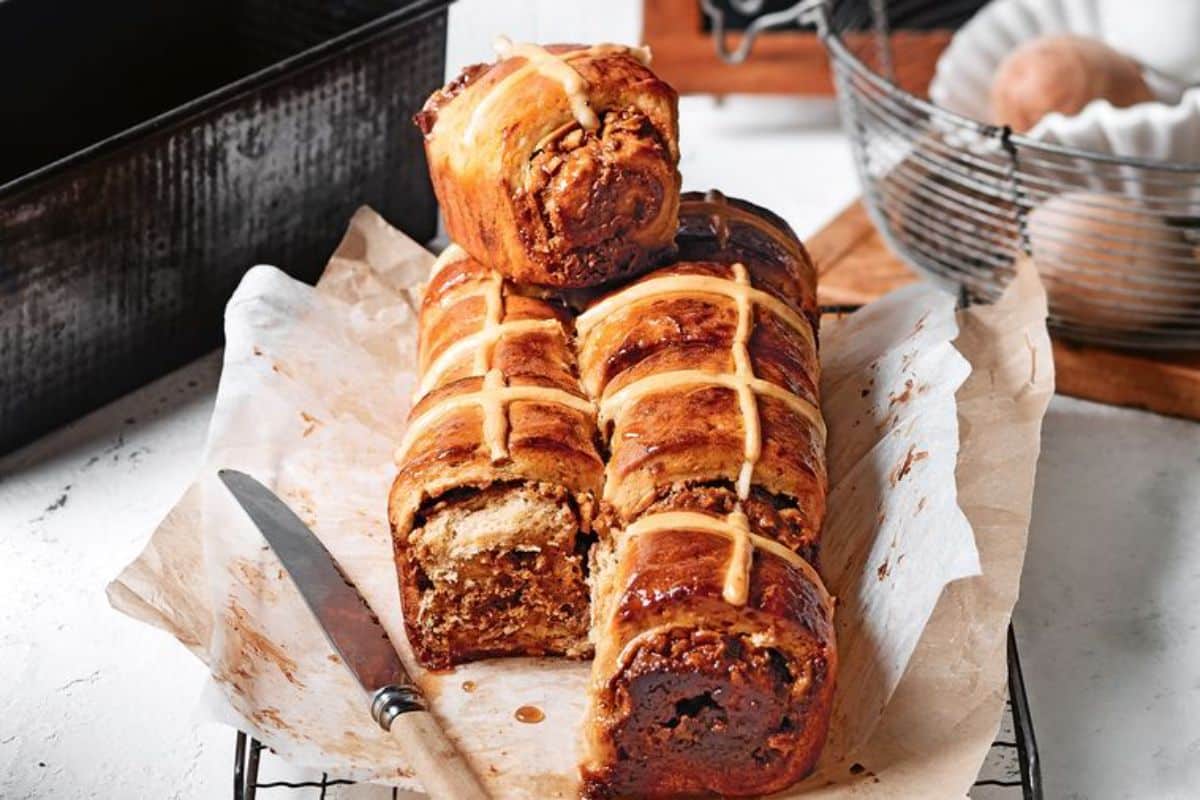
(1108,621)
(96,705)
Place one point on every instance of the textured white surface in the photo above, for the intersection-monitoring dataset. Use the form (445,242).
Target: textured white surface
(1107,623)
(96,705)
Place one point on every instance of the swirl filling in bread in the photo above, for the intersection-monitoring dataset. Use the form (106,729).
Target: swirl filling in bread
(557,166)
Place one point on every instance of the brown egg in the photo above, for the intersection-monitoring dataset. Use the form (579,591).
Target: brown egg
(1108,263)
(1064,74)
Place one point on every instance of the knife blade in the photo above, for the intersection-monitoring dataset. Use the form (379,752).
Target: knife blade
(395,702)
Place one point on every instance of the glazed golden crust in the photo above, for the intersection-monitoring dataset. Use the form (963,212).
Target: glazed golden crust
(500,436)
(451,311)
(715,656)
(541,195)
(546,440)
(693,432)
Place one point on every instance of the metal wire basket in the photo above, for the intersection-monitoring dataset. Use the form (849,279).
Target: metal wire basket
(1115,239)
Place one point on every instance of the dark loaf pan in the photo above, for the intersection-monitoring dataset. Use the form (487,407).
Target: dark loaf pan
(151,151)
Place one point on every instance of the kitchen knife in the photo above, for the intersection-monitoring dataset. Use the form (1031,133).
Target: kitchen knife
(355,633)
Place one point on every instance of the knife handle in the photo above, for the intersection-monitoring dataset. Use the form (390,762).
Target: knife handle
(441,769)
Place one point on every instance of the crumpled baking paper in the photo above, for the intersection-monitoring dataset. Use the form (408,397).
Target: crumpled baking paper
(312,401)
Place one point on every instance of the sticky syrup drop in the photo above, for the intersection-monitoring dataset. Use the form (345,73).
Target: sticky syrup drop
(529,714)
(468,686)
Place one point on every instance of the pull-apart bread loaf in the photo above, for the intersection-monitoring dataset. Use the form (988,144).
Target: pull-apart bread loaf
(499,475)
(715,660)
(557,165)
(657,458)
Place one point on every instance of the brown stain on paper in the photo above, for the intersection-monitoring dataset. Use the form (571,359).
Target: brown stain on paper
(251,575)
(902,397)
(304,505)
(247,649)
(311,424)
(275,365)
(351,747)
(269,717)
(914,456)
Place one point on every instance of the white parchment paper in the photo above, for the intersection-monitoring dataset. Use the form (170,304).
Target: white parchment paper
(312,400)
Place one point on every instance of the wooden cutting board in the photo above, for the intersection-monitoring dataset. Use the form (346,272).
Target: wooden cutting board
(856,266)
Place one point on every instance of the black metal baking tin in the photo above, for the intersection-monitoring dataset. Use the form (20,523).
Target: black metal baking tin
(151,152)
